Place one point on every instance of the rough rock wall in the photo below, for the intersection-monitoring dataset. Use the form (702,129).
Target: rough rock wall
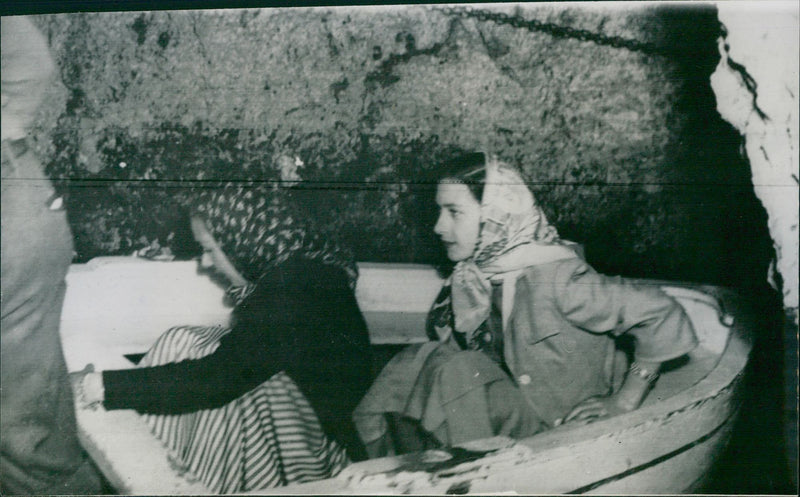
(756,85)
(624,149)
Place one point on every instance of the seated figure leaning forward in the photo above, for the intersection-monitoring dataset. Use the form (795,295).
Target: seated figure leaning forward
(522,334)
(267,402)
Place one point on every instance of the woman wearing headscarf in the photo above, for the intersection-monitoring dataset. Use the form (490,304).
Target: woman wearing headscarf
(523,331)
(267,402)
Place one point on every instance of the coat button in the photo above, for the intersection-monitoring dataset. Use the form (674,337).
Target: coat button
(524,380)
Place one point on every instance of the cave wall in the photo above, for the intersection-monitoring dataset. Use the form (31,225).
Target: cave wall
(355,106)
(756,85)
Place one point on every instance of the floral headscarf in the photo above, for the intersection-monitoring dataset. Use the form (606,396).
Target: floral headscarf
(258,228)
(514,234)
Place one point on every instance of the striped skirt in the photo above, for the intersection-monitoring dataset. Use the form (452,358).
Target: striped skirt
(266,438)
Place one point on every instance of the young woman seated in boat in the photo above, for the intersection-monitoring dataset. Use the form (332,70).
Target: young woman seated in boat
(522,333)
(269,401)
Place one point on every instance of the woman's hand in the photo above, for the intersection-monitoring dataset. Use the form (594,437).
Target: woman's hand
(634,389)
(595,409)
(87,387)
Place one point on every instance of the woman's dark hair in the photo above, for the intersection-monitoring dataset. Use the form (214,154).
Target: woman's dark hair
(468,169)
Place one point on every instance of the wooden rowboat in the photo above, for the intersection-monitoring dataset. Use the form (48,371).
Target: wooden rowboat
(118,306)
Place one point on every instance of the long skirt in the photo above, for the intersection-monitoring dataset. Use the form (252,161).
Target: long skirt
(266,438)
(436,395)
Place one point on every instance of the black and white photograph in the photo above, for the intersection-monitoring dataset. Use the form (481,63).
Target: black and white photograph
(529,248)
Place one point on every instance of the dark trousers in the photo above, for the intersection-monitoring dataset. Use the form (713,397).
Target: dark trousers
(39,449)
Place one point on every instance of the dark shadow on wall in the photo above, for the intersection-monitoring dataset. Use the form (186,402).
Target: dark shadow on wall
(755,461)
(719,227)
(718,201)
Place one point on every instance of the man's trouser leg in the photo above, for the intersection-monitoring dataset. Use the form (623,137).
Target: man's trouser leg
(39,449)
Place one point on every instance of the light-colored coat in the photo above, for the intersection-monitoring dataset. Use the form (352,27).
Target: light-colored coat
(558,342)
(561,321)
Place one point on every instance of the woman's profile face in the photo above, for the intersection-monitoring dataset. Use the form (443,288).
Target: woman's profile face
(213,258)
(459,220)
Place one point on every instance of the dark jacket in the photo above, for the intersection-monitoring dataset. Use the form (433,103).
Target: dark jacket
(302,319)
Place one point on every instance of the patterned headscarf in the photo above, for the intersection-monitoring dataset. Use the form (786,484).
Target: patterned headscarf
(510,217)
(258,228)
(514,234)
